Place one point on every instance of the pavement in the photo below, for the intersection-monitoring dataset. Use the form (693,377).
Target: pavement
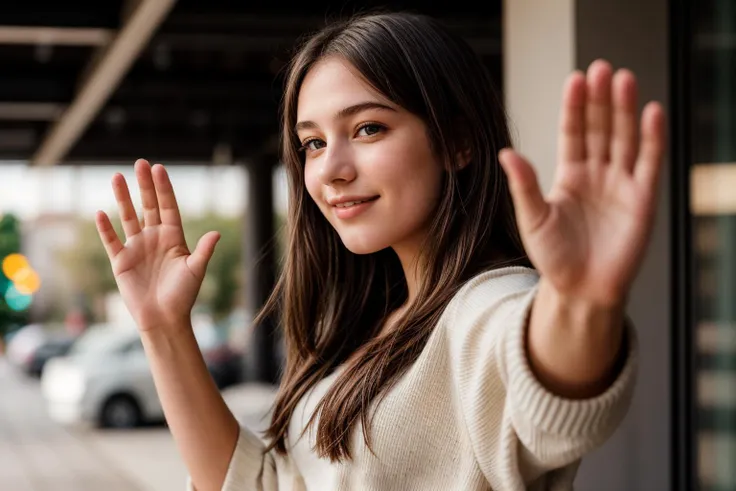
(36,454)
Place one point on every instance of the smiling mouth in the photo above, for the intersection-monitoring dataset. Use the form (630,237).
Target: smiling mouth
(348,204)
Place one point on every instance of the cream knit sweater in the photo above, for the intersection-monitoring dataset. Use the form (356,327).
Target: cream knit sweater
(467,416)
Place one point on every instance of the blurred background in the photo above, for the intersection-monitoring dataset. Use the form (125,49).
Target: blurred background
(89,87)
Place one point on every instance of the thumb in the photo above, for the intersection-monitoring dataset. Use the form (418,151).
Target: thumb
(202,254)
(531,207)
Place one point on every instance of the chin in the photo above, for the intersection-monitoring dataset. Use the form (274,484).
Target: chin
(361,246)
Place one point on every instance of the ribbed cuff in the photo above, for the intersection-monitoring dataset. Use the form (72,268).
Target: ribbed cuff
(555,415)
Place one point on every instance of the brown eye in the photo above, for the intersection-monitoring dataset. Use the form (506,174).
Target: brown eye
(313,144)
(370,129)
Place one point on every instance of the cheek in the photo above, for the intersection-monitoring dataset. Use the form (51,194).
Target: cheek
(414,178)
(314,189)
(419,198)
(411,183)
(311,182)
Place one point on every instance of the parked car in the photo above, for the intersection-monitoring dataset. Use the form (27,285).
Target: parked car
(23,343)
(105,379)
(55,346)
(224,363)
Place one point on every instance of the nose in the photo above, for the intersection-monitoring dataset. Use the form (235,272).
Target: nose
(337,164)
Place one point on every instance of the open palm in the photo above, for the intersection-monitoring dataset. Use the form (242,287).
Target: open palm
(157,276)
(588,236)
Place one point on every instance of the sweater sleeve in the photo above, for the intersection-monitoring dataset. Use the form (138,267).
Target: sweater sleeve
(250,469)
(516,426)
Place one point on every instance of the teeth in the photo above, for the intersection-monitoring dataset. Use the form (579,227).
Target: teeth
(349,203)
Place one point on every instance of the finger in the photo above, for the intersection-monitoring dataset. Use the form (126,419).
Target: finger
(168,207)
(598,112)
(148,193)
(651,151)
(107,233)
(131,225)
(571,139)
(625,131)
(531,207)
(202,254)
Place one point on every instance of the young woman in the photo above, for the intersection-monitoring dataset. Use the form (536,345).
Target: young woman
(424,351)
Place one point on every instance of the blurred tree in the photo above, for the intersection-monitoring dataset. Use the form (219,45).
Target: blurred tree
(88,266)
(86,261)
(10,242)
(223,284)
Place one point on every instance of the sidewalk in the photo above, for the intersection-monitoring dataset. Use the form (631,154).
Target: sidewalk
(159,467)
(37,454)
(149,458)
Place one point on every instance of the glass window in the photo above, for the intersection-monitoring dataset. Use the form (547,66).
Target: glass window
(713,212)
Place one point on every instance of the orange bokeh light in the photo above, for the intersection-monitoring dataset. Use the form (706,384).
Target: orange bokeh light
(13,263)
(27,281)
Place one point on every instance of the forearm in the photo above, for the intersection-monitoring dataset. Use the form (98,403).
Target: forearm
(204,429)
(573,346)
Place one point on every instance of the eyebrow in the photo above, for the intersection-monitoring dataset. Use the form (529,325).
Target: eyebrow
(346,112)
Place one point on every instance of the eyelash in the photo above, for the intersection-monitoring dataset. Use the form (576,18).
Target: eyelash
(305,143)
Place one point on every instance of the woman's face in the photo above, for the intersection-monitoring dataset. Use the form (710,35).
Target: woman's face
(369,165)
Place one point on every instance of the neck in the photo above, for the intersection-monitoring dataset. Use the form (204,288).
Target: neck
(409,258)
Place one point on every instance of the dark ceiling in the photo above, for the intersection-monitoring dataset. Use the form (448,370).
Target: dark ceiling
(209,78)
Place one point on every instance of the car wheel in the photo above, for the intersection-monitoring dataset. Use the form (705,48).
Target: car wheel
(120,412)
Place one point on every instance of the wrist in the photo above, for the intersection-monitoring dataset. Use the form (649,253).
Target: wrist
(577,308)
(168,335)
(572,344)
(160,326)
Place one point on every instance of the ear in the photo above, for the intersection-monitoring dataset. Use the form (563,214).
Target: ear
(463,158)
(463,144)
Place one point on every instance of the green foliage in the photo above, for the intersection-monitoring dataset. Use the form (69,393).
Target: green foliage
(223,283)
(10,242)
(87,263)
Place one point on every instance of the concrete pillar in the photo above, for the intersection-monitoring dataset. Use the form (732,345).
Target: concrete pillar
(543,42)
(538,54)
(260,267)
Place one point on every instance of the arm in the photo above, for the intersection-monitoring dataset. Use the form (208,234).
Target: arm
(203,427)
(159,280)
(560,417)
(588,236)
(573,346)
(536,366)
(516,423)
(218,453)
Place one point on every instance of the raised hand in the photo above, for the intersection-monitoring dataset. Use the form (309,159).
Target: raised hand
(157,276)
(588,236)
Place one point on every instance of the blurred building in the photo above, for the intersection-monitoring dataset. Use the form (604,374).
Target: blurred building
(43,238)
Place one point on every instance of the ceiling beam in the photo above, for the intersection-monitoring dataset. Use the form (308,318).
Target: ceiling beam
(66,36)
(100,82)
(128,8)
(30,111)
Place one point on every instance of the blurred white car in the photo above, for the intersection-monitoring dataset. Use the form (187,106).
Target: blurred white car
(24,342)
(104,380)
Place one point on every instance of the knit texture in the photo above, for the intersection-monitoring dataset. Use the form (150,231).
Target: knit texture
(468,415)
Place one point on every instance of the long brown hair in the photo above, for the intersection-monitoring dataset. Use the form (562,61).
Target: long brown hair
(332,303)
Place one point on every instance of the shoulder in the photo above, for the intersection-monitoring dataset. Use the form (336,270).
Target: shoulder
(490,297)
(496,284)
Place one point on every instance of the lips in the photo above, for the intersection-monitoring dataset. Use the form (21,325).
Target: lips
(346,209)
(347,201)
(348,204)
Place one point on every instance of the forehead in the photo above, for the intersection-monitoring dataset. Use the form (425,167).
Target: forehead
(330,85)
